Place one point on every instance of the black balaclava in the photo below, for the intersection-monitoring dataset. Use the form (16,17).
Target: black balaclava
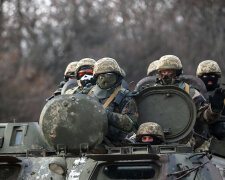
(168,79)
(210,80)
(156,140)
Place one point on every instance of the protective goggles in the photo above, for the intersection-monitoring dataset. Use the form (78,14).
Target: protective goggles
(107,75)
(83,72)
(69,75)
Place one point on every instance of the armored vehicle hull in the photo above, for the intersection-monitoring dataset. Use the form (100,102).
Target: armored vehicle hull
(72,126)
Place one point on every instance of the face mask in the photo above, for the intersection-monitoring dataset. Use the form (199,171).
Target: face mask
(107,80)
(86,79)
(210,81)
(167,78)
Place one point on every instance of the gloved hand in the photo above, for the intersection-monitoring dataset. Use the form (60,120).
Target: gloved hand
(217,100)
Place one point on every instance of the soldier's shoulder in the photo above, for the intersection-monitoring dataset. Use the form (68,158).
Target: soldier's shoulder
(87,88)
(124,96)
(73,90)
(193,92)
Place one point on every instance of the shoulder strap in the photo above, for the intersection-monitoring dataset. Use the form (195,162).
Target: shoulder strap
(187,88)
(71,91)
(113,95)
(92,89)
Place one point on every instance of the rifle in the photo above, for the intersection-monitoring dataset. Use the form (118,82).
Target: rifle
(56,93)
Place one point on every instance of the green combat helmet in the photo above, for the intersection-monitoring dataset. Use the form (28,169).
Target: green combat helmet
(208,66)
(84,62)
(106,65)
(71,68)
(151,71)
(170,62)
(150,128)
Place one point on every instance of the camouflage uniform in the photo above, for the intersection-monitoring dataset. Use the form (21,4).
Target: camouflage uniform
(83,62)
(122,110)
(150,129)
(205,115)
(209,67)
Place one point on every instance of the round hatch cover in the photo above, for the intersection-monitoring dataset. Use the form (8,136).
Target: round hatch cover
(170,107)
(73,122)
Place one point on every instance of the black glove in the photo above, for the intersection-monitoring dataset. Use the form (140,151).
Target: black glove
(217,100)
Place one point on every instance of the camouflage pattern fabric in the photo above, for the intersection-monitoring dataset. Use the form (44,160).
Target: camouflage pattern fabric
(208,66)
(84,62)
(204,110)
(71,68)
(205,115)
(122,113)
(169,62)
(204,147)
(152,68)
(106,65)
(150,128)
(122,117)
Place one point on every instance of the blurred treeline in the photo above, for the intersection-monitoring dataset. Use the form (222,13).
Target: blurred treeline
(38,38)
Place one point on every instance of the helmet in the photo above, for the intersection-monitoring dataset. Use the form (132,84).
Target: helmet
(106,65)
(123,72)
(150,128)
(169,62)
(84,62)
(152,68)
(71,67)
(208,66)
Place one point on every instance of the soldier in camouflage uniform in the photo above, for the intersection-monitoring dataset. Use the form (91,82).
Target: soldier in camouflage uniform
(120,107)
(151,71)
(150,132)
(150,79)
(169,69)
(83,74)
(210,73)
(69,75)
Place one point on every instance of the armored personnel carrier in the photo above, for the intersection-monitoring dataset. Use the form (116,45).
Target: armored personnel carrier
(73,126)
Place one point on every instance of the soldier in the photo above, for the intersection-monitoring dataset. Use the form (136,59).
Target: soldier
(69,75)
(210,73)
(83,74)
(120,107)
(150,79)
(169,69)
(150,132)
(151,71)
